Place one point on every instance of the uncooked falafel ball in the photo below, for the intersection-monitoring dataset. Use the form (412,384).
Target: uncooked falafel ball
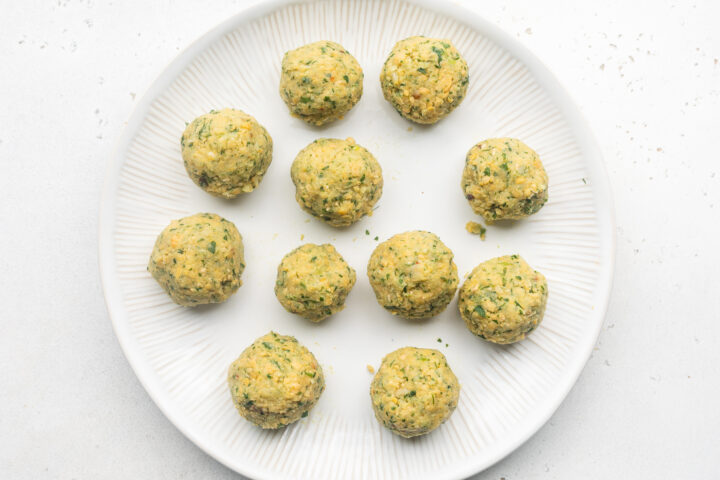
(337,181)
(504,179)
(313,281)
(414,391)
(424,78)
(413,275)
(320,82)
(226,152)
(503,299)
(275,381)
(198,259)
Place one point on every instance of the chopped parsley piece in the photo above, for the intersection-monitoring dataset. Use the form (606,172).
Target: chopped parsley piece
(439,52)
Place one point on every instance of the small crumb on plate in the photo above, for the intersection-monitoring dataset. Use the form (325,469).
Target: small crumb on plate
(476,229)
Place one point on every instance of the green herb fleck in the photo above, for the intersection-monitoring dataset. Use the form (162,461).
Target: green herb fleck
(439,52)
(211,246)
(480,311)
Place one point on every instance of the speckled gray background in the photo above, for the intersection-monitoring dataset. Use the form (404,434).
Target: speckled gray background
(646,76)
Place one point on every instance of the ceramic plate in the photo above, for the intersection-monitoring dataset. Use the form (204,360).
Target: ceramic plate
(181,355)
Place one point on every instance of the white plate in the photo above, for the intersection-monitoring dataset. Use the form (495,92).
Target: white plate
(181,355)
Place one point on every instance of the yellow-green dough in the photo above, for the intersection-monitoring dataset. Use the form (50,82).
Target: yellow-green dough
(275,381)
(198,259)
(424,78)
(504,179)
(503,299)
(414,391)
(338,181)
(320,82)
(313,281)
(226,152)
(413,275)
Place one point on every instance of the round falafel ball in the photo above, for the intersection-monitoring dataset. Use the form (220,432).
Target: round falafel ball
(424,78)
(503,299)
(226,152)
(198,259)
(338,181)
(413,275)
(414,391)
(504,179)
(275,381)
(320,82)
(313,281)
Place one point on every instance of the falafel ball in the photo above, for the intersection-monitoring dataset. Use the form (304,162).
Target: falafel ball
(313,281)
(503,299)
(504,179)
(226,152)
(424,78)
(320,82)
(414,391)
(198,259)
(338,181)
(275,381)
(413,275)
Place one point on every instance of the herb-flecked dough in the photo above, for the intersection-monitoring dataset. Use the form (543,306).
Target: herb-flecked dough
(503,299)
(320,82)
(313,281)
(413,275)
(275,381)
(337,181)
(424,78)
(504,179)
(198,259)
(226,152)
(414,391)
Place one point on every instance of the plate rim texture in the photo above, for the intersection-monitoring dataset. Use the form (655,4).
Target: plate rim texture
(544,409)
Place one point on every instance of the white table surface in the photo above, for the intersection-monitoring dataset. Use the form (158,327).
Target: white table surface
(646,74)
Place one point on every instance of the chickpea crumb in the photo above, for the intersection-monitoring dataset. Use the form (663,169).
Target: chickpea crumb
(476,229)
